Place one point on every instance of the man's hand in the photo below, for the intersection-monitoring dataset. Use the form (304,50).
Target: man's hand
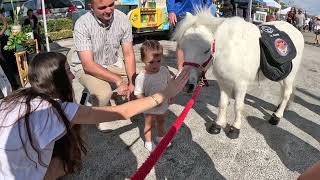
(173,18)
(130,95)
(122,89)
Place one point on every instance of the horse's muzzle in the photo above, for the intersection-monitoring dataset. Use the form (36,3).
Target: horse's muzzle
(189,88)
(193,80)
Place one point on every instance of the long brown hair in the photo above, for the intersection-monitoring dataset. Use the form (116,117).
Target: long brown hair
(49,82)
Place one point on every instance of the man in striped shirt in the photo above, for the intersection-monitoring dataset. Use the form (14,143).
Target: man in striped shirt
(98,35)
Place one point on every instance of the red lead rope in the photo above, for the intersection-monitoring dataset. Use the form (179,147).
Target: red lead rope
(146,167)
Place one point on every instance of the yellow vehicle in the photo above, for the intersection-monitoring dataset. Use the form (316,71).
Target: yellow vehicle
(145,15)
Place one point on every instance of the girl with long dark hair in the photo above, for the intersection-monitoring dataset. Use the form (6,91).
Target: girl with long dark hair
(39,126)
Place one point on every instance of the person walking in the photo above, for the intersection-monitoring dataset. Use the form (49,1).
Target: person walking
(291,16)
(317,30)
(300,18)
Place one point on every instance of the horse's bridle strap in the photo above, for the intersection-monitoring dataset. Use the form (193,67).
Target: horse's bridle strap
(203,66)
(198,65)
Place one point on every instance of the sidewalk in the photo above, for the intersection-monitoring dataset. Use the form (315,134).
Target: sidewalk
(261,152)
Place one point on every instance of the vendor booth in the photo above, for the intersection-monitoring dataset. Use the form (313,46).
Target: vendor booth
(265,6)
(148,15)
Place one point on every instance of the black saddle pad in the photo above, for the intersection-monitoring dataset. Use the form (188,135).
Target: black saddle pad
(278,44)
(277,52)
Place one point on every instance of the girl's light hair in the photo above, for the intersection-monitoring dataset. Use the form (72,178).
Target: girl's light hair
(152,46)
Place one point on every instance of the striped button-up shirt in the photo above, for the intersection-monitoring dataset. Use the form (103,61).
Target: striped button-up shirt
(103,40)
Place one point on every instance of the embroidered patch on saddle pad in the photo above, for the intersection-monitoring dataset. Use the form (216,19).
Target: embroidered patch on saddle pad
(281,46)
(278,44)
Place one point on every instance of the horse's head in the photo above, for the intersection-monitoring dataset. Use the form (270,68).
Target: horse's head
(195,36)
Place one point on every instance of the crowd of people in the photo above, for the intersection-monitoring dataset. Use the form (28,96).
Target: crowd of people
(304,23)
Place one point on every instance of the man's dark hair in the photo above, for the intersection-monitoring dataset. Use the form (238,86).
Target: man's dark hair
(29,10)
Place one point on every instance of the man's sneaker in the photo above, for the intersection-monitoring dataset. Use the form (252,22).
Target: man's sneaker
(158,139)
(150,146)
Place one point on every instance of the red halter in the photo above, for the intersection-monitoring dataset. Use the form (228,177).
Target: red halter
(203,65)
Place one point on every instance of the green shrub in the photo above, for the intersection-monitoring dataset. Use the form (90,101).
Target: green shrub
(63,34)
(58,29)
(55,25)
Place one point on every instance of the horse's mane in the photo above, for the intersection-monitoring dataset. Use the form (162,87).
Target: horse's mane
(203,16)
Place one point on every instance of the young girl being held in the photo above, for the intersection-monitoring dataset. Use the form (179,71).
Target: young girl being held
(152,79)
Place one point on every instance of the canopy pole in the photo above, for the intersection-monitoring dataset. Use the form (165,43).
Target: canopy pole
(250,11)
(45,25)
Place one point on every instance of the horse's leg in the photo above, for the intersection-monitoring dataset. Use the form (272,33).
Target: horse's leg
(238,107)
(215,128)
(287,88)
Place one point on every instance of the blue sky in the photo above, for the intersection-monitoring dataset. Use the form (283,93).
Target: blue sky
(312,6)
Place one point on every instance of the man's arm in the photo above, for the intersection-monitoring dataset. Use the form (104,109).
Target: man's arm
(130,62)
(128,54)
(171,11)
(170,6)
(208,3)
(92,68)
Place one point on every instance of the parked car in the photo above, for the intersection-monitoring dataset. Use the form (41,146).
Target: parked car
(54,9)
(78,4)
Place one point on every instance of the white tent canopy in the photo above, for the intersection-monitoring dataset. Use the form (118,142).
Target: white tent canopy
(285,11)
(272,3)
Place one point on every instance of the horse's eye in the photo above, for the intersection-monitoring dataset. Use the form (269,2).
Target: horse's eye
(207,51)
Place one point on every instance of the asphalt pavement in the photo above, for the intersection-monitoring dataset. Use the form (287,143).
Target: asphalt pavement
(261,152)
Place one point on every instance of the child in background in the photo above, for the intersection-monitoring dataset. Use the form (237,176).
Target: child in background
(151,80)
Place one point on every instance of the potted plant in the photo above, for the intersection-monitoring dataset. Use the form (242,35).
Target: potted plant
(17,42)
(16,27)
(28,30)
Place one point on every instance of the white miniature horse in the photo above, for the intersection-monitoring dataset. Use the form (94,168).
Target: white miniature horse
(236,60)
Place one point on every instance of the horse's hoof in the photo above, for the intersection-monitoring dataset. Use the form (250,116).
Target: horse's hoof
(233,133)
(274,120)
(214,129)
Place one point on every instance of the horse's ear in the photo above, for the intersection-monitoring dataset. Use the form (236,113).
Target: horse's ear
(188,15)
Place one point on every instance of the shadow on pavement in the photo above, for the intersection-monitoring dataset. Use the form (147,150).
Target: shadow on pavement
(293,152)
(304,91)
(55,47)
(312,44)
(209,96)
(108,157)
(312,107)
(185,159)
(300,122)
(296,154)
(154,36)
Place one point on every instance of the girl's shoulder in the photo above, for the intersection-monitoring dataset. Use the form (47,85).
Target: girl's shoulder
(164,69)
(141,74)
